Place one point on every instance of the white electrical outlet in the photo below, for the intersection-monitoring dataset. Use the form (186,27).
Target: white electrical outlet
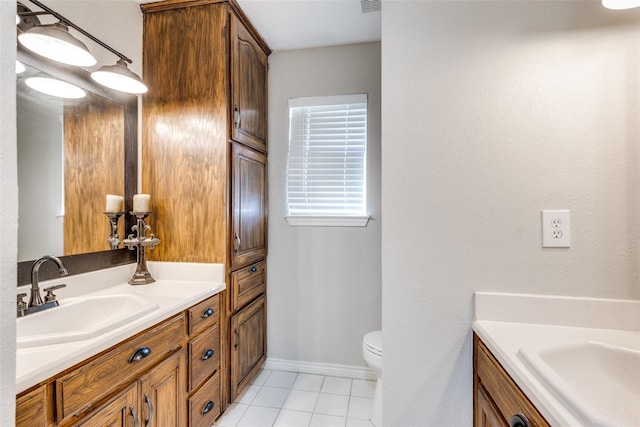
(556,229)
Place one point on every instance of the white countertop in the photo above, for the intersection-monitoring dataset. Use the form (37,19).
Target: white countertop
(177,287)
(508,322)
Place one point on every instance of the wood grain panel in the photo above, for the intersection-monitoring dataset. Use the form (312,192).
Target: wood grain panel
(117,412)
(34,408)
(93,167)
(487,414)
(209,392)
(185,150)
(249,88)
(199,318)
(201,367)
(162,393)
(249,189)
(249,339)
(248,283)
(503,392)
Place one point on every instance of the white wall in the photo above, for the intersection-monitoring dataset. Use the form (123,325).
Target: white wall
(40,175)
(8,213)
(493,111)
(324,283)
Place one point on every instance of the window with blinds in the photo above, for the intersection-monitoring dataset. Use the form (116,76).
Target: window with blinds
(326,164)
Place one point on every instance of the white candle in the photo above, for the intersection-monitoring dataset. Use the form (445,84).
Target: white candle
(114,203)
(141,202)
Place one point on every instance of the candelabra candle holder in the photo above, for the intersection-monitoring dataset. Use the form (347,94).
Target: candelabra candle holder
(114,239)
(139,240)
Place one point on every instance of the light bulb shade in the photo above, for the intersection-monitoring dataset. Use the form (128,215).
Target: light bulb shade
(620,4)
(120,78)
(56,43)
(20,68)
(55,87)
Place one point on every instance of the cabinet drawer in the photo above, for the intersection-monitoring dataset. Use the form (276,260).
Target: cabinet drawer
(248,283)
(204,356)
(204,315)
(502,391)
(81,389)
(204,406)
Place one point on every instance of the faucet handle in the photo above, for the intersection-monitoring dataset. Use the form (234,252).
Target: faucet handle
(21,304)
(50,296)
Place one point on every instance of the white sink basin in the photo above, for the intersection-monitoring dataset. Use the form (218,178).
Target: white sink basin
(80,318)
(599,383)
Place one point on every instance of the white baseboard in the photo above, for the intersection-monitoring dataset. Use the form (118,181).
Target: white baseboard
(330,369)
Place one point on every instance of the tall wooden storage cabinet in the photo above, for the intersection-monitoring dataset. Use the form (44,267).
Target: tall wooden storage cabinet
(204,160)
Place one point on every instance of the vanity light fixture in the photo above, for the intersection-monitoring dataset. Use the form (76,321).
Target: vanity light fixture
(620,4)
(119,77)
(56,43)
(55,87)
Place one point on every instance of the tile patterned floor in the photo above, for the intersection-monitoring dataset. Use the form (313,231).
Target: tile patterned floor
(290,399)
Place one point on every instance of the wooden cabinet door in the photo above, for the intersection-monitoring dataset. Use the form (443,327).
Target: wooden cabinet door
(248,88)
(487,415)
(249,344)
(34,408)
(121,411)
(162,394)
(249,206)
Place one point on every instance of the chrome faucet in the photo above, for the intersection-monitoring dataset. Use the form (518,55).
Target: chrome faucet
(35,300)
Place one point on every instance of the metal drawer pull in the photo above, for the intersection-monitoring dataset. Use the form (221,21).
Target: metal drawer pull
(207,407)
(208,312)
(236,116)
(235,331)
(140,354)
(207,354)
(134,414)
(150,405)
(254,269)
(519,420)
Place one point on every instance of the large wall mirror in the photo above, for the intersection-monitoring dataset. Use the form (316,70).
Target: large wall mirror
(71,154)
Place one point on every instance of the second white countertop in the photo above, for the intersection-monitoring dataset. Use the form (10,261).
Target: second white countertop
(508,322)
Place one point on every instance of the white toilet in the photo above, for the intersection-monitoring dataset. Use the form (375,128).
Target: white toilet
(372,353)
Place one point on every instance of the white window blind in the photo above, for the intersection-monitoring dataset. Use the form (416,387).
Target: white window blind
(326,165)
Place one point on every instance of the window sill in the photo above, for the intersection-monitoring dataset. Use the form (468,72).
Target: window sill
(328,221)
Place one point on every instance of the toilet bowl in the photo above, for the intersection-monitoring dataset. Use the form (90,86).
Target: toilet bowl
(372,354)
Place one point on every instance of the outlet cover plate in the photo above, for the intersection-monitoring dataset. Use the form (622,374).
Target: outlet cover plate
(556,229)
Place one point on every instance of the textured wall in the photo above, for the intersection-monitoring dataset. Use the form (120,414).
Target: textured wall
(324,283)
(8,213)
(493,111)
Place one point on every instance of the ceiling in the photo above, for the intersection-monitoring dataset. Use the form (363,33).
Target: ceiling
(299,24)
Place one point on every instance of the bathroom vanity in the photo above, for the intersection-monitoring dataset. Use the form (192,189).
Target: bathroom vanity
(497,400)
(161,368)
(549,360)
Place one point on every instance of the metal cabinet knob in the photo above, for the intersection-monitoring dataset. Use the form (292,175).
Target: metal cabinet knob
(519,420)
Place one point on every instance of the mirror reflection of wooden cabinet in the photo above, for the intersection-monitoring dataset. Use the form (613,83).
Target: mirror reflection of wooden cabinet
(93,167)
